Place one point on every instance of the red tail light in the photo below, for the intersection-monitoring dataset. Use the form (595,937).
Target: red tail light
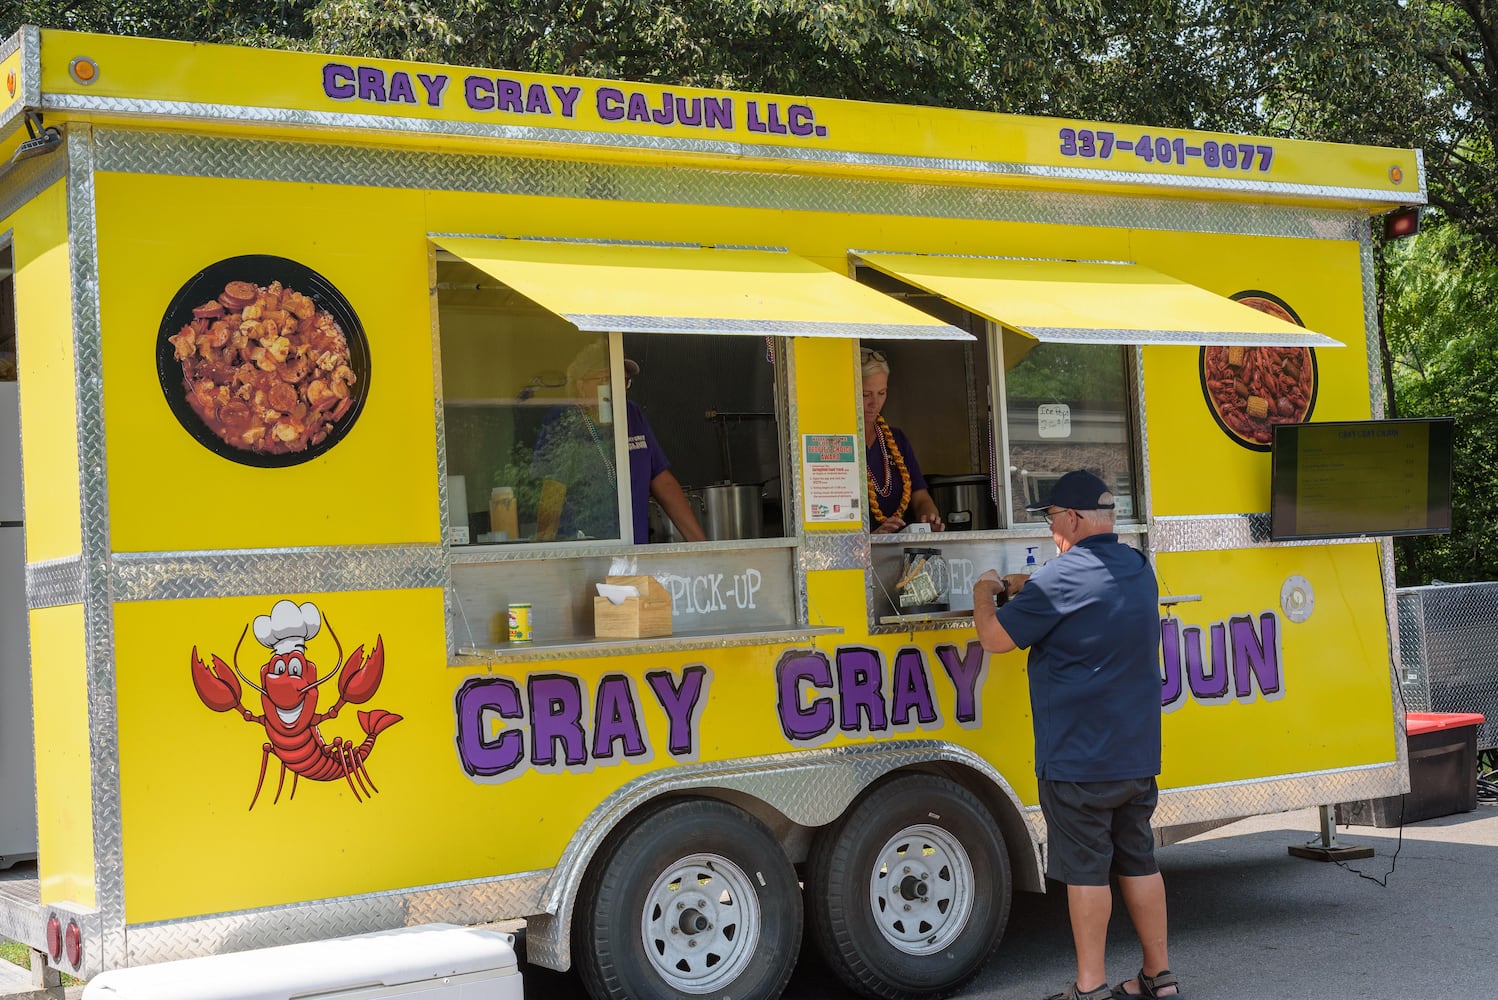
(74,940)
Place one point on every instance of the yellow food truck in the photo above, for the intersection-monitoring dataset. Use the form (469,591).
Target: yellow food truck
(372,372)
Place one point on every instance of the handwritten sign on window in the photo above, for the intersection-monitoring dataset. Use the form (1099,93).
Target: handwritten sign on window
(1054,420)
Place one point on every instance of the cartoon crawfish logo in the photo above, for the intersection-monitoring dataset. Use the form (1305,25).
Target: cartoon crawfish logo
(288,693)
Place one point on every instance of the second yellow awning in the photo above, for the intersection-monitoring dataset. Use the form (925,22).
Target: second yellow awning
(604,287)
(1087,302)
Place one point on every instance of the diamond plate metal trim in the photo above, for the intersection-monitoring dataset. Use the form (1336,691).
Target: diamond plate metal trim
(834,550)
(88,103)
(1215,532)
(98,605)
(480,657)
(809,787)
(21,916)
(1142,504)
(29,41)
(1414,665)
(544,551)
(1071,335)
(1449,651)
(29,178)
(1282,793)
(54,583)
(457,902)
(154,153)
(166,576)
(451,607)
(790,414)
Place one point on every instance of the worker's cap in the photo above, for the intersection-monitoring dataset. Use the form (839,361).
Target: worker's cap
(1077,490)
(595,358)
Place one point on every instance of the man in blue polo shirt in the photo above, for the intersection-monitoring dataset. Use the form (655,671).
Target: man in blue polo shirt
(1090,620)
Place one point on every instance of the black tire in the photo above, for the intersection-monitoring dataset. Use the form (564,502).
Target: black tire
(924,948)
(745,948)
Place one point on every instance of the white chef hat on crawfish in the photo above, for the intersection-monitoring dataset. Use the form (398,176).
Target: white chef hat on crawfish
(288,626)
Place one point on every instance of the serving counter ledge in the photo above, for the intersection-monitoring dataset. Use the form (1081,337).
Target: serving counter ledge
(470,656)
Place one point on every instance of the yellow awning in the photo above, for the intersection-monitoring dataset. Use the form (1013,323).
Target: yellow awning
(1082,302)
(603,287)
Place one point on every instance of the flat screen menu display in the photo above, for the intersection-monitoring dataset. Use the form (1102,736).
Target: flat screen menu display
(1360,478)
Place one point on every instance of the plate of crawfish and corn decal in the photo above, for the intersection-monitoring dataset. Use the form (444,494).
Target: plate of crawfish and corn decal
(263,361)
(1250,389)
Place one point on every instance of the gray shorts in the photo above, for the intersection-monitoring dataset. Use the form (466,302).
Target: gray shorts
(1099,828)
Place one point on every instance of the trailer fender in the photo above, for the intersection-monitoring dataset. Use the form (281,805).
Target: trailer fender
(810,788)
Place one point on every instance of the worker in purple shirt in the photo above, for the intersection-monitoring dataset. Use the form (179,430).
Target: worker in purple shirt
(897,492)
(574,457)
(1090,619)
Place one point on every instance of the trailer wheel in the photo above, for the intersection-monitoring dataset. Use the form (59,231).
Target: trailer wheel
(695,899)
(908,892)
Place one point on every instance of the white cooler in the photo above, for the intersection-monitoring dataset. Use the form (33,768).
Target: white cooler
(429,962)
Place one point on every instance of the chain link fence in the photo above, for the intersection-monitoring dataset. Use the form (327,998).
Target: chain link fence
(1448,651)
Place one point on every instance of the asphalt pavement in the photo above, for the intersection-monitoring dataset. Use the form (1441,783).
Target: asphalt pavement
(1249,920)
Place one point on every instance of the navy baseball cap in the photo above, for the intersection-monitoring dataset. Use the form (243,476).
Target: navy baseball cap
(1077,490)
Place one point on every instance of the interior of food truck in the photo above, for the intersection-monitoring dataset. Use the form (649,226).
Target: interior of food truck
(514,375)
(536,454)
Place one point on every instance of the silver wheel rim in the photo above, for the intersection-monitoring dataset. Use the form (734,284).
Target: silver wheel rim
(921,889)
(700,923)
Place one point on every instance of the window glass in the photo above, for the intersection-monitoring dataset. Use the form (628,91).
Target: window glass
(710,404)
(1067,408)
(532,419)
(934,402)
(528,408)
(7,317)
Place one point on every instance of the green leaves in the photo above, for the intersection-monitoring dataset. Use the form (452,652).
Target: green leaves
(1385,72)
(1441,318)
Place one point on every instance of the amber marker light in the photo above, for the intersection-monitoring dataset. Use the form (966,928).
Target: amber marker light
(84,70)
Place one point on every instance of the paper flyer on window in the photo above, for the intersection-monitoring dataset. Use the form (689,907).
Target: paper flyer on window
(829,470)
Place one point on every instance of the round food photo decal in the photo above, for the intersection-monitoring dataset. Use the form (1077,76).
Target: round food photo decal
(263,361)
(1250,389)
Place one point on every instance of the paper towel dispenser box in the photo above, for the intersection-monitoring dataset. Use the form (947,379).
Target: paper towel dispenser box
(649,614)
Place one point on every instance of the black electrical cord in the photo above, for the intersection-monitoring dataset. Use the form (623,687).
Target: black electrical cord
(1382,881)
(1487,777)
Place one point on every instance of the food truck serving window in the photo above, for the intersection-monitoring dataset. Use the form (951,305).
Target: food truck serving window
(542,340)
(1063,324)
(1053,363)
(577,378)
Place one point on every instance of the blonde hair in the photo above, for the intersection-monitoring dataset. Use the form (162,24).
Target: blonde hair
(872,363)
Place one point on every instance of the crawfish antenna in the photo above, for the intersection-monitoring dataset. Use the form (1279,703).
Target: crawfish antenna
(337,666)
(242,677)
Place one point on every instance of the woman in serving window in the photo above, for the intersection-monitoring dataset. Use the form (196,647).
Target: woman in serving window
(897,490)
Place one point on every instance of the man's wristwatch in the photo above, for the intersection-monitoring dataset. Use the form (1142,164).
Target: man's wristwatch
(1001,596)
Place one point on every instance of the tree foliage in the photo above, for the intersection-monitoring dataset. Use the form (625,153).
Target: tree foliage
(1397,72)
(1441,311)
(1387,72)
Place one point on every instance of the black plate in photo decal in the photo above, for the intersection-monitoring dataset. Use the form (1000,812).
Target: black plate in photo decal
(239,429)
(1292,370)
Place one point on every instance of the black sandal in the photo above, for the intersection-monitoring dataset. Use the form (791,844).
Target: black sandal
(1103,992)
(1150,987)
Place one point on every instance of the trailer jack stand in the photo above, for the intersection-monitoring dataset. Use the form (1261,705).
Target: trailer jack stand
(1325,847)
